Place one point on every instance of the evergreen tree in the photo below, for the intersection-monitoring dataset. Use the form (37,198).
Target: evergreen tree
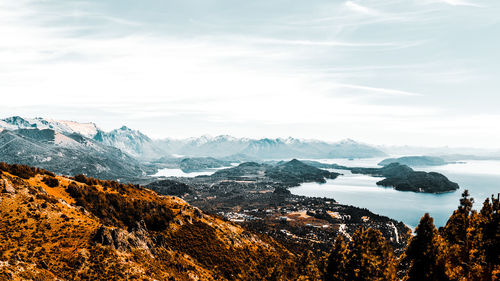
(455,230)
(472,241)
(423,255)
(490,234)
(308,268)
(369,257)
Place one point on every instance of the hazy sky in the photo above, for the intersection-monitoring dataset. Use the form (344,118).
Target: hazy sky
(423,72)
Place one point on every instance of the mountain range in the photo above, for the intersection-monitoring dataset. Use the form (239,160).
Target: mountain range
(51,136)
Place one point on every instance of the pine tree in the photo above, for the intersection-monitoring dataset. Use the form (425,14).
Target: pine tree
(490,234)
(423,254)
(456,234)
(335,270)
(472,241)
(455,230)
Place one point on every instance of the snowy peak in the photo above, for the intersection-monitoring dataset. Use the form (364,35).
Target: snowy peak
(132,142)
(347,142)
(88,130)
(66,127)
(71,133)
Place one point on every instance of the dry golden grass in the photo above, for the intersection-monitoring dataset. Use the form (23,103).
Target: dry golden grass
(49,233)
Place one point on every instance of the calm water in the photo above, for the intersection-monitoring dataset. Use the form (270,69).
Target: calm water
(481,178)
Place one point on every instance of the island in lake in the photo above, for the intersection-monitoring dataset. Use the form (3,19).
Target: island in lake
(400,177)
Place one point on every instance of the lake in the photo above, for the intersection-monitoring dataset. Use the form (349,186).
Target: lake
(481,178)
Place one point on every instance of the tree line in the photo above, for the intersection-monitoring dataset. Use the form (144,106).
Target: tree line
(466,248)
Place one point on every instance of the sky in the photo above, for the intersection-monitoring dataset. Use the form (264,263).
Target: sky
(402,72)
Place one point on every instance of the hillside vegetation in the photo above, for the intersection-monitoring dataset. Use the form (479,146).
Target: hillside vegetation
(80,228)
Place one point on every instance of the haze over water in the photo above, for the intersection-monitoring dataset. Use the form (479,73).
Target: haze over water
(481,178)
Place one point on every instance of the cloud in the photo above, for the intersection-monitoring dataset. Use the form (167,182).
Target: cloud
(317,43)
(358,8)
(250,76)
(375,90)
(459,3)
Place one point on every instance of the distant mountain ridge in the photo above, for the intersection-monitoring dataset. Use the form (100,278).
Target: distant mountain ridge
(267,148)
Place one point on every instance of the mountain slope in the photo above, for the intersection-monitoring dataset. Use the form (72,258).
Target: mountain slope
(58,228)
(67,154)
(132,142)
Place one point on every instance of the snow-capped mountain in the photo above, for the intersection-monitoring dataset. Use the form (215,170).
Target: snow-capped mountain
(219,146)
(291,147)
(130,141)
(266,148)
(88,130)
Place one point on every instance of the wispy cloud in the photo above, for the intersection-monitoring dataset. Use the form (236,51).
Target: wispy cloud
(326,69)
(376,90)
(460,3)
(319,43)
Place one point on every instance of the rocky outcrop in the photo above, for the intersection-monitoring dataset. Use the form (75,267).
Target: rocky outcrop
(6,186)
(123,240)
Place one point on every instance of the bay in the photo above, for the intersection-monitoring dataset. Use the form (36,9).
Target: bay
(481,178)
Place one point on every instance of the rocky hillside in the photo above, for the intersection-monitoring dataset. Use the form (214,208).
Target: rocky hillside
(59,228)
